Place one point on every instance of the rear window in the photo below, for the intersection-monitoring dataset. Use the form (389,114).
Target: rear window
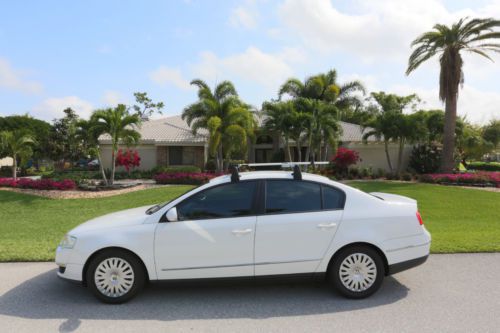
(292,196)
(333,198)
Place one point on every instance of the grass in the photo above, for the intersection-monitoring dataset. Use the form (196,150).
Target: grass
(31,226)
(460,220)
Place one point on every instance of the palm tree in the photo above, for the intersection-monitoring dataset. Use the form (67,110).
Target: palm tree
(119,124)
(279,119)
(227,119)
(470,35)
(16,144)
(318,90)
(88,132)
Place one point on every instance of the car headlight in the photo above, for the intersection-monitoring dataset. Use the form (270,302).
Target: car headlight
(68,242)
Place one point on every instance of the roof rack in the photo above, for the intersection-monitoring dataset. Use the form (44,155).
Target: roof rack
(235,176)
(297,175)
(283,164)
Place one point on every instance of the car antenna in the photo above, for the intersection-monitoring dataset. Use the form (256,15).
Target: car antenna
(297,175)
(235,176)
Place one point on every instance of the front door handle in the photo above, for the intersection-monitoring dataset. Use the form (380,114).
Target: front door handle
(239,232)
(327,225)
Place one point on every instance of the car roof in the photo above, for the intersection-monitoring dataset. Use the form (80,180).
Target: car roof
(269,175)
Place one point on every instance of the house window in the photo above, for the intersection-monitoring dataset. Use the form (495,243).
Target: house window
(175,155)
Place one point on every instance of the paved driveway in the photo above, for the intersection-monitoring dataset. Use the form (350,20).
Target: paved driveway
(449,293)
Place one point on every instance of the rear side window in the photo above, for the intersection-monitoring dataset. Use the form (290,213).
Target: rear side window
(292,196)
(230,200)
(333,198)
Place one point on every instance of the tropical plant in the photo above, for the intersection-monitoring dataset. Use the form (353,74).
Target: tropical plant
(229,121)
(279,118)
(425,158)
(470,35)
(128,159)
(120,125)
(18,145)
(63,141)
(471,144)
(491,132)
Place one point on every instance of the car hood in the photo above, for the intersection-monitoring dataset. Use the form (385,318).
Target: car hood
(118,219)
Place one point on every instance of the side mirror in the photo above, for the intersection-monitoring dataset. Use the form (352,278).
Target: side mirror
(171,215)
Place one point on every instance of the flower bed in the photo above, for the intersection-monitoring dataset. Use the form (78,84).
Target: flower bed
(470,179)
(190,178)
(38,184)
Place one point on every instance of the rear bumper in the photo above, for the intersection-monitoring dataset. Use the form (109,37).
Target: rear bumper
(403,266)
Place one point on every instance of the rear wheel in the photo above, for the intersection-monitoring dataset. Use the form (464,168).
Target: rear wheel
(115,276)
(357,272)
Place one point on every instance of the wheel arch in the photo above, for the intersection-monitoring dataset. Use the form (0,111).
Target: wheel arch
(372,246)
(96,253)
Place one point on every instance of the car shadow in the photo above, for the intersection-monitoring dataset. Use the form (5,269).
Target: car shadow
(47,297)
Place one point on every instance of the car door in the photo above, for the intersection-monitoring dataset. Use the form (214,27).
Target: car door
(213,237)
(299,222)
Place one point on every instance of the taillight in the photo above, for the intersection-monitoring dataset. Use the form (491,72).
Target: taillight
(420,219)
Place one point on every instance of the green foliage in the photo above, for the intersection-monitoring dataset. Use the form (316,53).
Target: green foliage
(145,106)
(484,166)
(176,169)
(491,133)
(425,158)
(64,144)
(18,145)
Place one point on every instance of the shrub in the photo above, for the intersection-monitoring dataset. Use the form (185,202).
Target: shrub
(343,159)
(190,178)
(128,159)
(39,184)
(210,165)
(406,176)
(425,159)
(484,166)
(482,178)
(176,169)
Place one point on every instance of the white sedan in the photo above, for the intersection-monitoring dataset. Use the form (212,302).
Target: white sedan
(253,224)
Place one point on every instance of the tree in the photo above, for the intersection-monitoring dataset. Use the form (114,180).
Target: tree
(321,94)
(392,125)
(145,106)
(470,35)
(227,119)
(120,125)
(63,141)
(88,132)
(491,132)
(279,119)
(471,144)
(17,144)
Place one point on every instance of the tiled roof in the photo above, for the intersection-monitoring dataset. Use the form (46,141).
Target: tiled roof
(175,130)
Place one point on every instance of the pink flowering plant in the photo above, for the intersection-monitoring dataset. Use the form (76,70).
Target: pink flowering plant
(478,178)
(38,184)
(191,178)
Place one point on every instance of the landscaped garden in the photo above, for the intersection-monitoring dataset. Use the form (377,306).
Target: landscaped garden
(460,220)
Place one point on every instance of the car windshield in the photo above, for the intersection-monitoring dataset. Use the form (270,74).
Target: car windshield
(157,207)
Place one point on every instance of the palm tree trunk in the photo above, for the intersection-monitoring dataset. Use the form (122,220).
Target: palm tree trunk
(299,150)
(220,159)
(288,156)
(386,147)
(101,167)
(112,179)
(400,154)
(450,118)
(14,166)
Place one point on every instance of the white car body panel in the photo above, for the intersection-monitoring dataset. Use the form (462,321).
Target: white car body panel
(276,244)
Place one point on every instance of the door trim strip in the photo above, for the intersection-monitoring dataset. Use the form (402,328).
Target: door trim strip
(239,265)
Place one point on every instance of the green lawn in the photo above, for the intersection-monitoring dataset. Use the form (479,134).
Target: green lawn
(460,220)
(31,226)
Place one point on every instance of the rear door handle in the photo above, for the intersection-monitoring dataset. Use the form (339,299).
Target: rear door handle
(239,232)
(327,225)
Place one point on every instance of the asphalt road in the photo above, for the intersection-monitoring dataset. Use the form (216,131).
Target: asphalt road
(449,293)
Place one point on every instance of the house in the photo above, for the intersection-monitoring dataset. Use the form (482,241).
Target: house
(170,142)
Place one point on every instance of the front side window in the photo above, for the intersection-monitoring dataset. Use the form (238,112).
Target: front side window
(292,196)
(229,200)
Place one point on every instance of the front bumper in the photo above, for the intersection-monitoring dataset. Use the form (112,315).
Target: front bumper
(67,270)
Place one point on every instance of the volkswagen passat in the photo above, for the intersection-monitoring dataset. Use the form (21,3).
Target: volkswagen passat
(253,224)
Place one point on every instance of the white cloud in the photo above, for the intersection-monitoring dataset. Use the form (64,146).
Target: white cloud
(478,106)
(112,98)
(370,29)
(12,79)
(53,107)
(253,64)
(164,75)
(244,16)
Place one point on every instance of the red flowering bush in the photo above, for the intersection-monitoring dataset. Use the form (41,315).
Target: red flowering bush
(128,159)
(483,178)
(38,184)
(343,159)
(191,178)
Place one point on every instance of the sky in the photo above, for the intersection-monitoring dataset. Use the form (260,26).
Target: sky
(93,54)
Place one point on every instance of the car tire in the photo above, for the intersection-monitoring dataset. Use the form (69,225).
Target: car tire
(115,276)
(357,272)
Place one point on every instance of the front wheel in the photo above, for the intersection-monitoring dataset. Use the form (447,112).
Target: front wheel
(357,272)
(115,276)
